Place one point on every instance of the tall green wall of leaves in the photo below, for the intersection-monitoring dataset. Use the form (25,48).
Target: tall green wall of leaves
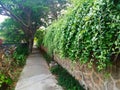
(89,32)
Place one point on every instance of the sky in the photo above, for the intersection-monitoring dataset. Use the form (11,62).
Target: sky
(2,18)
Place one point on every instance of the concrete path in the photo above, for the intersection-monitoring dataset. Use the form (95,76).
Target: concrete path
(36,75)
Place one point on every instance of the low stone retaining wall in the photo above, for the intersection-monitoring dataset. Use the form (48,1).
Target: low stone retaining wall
(89,77)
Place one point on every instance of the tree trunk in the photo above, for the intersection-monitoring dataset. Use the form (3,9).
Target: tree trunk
(30,43)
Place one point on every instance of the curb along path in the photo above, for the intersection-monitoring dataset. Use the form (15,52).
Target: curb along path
(36,74)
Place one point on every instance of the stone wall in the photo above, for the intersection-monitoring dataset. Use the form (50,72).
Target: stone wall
(89,77)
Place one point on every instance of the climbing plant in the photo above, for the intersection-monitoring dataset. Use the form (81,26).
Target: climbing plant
(89,33)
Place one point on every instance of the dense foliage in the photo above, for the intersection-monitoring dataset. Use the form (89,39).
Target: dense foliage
(11,32)
(90,32)
(20,54)
(11,61)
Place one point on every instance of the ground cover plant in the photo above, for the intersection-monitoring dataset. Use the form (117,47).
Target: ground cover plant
(65,79)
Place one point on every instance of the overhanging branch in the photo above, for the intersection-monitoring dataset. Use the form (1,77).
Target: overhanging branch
(9,13)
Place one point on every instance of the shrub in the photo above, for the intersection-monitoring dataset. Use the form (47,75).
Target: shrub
(20,54)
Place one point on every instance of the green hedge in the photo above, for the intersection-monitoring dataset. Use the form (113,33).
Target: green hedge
(89,32)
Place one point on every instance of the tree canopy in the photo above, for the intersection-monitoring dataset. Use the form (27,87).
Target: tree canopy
(28,14)
(11,31)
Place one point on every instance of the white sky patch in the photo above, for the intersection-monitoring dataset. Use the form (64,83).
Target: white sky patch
(2,18)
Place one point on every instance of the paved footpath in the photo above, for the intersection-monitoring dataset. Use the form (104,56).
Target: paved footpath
(36,74)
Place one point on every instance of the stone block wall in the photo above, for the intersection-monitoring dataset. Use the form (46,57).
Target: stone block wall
(89,77)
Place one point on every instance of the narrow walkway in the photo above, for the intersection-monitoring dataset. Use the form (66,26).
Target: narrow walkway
(36,75)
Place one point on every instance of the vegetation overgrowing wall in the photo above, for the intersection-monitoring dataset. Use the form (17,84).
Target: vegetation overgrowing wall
(90,32)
